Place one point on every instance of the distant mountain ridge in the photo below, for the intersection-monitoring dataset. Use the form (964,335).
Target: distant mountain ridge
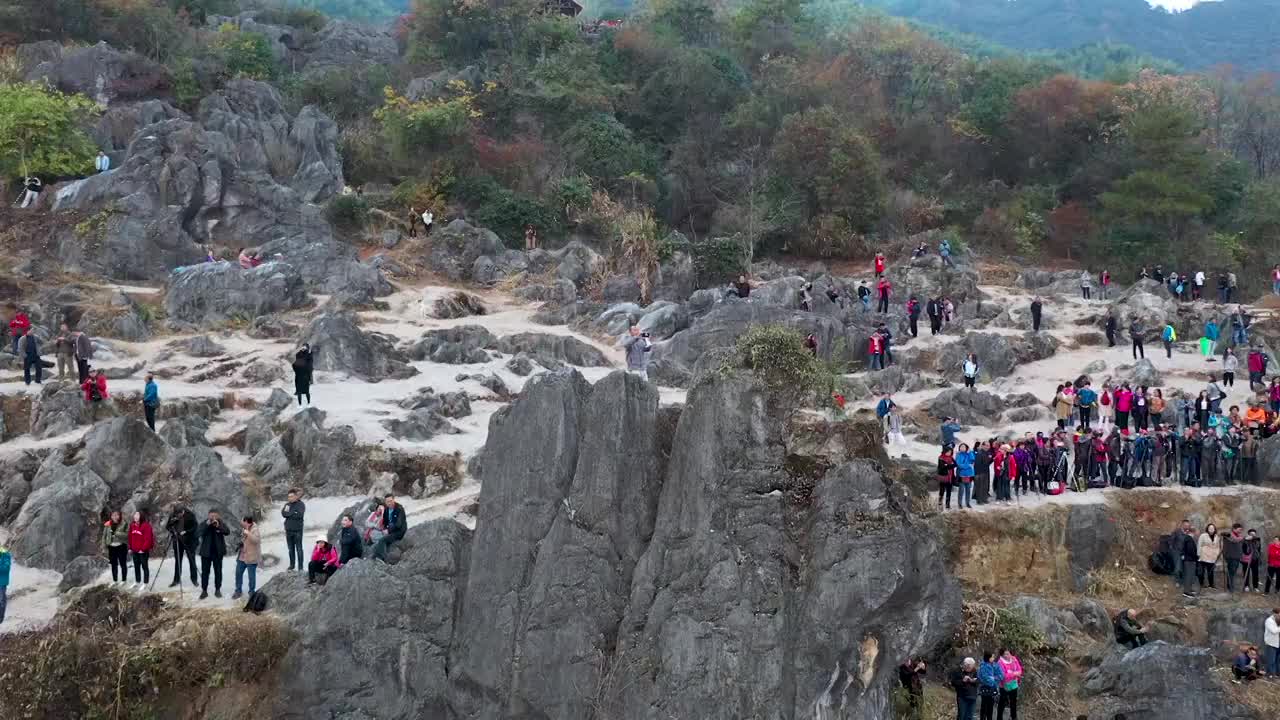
(1239,32)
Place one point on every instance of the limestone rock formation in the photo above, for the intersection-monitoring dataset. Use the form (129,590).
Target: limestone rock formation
(1159,681)
(553,351)
(102,73)
(339,345)
(459,345)
(216,292)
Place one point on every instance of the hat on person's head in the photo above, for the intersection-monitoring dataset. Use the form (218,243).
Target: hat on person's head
(322,538)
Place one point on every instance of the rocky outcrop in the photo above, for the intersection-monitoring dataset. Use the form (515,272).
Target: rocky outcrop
(308,455)
(1159,681)
(342,44)
(967,406)
(456,247)
(460,345)
(211,293)
(553,351)
(448,404)
(607,544)
(102,73)
(61,408)
(1148,302)
(458,304)
(1090,536)
(339,345)
(82,571)
(419,425)
(998,355)
(59,520)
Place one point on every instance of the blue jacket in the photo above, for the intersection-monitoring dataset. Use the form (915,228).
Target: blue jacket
(883,407)
(6,561)
(151,394)
(949,433)
(964,463)
(1211,330)
(1087,397)
(990,675)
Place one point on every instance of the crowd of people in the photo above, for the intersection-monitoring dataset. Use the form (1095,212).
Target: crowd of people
(990,687)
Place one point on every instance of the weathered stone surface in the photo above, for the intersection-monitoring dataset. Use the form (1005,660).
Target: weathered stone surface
(217,292)
(553,351)
(102,73)
(420,425)
(59,520)
(621,288)
(61,407)
(188,431)
(123,452)
(448,404)
(998,355)
(967,406)
(459,345)
(82,571)
(458,304)
(1091,532)
(663,319)
(521,365)
(1230,627)
(676,278)
(1044,618)
(310,456)
(339,345)
(203,346)
(456,247)
(1159,681)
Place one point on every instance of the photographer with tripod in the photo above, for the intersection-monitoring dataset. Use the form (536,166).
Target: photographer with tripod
(181,527)
(213,547)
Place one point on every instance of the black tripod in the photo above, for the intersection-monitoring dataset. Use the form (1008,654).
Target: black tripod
(174,550)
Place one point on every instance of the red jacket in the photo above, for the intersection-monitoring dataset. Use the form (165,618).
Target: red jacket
(1255,361)
(141,539)
(19,324)
(876,344)
(328,557)
(1273,555)
(883,288)
(880,265)
(101,381)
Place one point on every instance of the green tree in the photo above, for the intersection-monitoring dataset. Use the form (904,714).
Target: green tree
(40,132)
(244,54)
(832,168)
(605,149)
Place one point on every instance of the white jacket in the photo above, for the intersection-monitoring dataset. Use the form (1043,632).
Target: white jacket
(1272,635)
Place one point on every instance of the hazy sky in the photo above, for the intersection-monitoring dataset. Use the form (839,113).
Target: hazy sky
(1174,4)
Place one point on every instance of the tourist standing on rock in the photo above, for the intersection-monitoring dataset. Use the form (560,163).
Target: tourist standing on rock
(1128,630)
(1110,330)
(970,369)
(1169,336)
(1273,564)
(1229,366)
(1232,284)
(990,679)
(965,682)
(913,316)
(324,560)
(1271,638)
(413,222)
(29,352)
(1251,560)
(1209,548)
(1012,670)
(102,163)
(213,547)
(150,401)
(350,544)
(397,524)
(1198,291)
(883,288)
(965,459)
(1240,327)
(115,543)
(878,265)
(637,346)
(1136,331)
(84,353)
(428,221)
(142,541)
(95,391)
(1086,284)
(1037,308)
(248,557)
(806,297)
(944,251)
(6,562)
(181,527)
(911,676)
(530,238)
(303,362)
(864,296)
(948,432)
(946,476)
(875,349)
(18,327)
(1232,552)
(33,187)
(933,309)
(294,513)
(883,408)
(64,347)
(1104,282)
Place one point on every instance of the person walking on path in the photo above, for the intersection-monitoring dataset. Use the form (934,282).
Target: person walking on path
(397,524)
(142,541)
(1110,330)
(934,310)
(303,363)
(1012,670)
(965,682)
(1136,331)
(637,347)
(883,288)
(913,316)
(1104,283)
(294,513)
(64,347)
(1037,308)
(29,351)
(324,560)
(150,401)
(115,543)
(990,680)
(213,547)
(181,527)
(1271,639)
(1086,284)
(248,557)
(1169,336)
(84,353)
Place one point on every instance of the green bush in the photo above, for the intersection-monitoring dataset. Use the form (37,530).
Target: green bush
(303,18)
(245,54)
(349,212)
(718,260)
(345,94)
(606,150)
(776,355)
(507,213)
(573,196)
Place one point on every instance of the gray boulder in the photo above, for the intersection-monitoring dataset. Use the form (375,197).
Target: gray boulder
(664,319)
(61,407)
(553,351)
(203,346)
(342,44)
(559,292)
(188,431)
(521,365)
(117,125)
(676,278)
(448,404)
(290,592)
(1159,681)
(1090,536)
(617,319)
(456,247)
(59,521)
(1230,627)
(967,406)
(82,571)
(197,475)
(1147,302)
(437,84)
(1142,374)
(998,355)
(123,452)
(1044,618)
(310,456)
(420,425)
(211,293)
(339,345)
(458,304)
(1093,618)
(459,345)
(102,73)
(621,288)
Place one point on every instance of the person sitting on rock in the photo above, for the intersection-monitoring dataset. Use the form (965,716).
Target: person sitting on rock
(324,560)
(1128,631)
(1245,668)
(349,541)
(397,523)
(375,525)
(245,259)
(95,390)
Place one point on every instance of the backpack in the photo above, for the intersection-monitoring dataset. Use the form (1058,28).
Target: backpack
(1169,333)
(257,602)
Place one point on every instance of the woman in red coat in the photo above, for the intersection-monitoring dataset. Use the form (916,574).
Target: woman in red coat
(141,541)
(18,327)
(95,385)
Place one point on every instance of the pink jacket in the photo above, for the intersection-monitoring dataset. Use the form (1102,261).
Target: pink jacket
(1012,671)
(1124,400)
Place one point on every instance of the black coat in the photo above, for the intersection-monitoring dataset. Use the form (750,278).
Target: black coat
(213,540)
(397,522)
(293,514)
(965,689)
(350,545)
(182,525)
(302,365)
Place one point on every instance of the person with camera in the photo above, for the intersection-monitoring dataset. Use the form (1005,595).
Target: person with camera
(248,557)
(213,547)
(397,523)
(637,347)
(294,513)
(182,538)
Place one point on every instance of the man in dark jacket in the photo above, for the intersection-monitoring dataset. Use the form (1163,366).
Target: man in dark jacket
(1128,631)
(913,315)
(397,523)
(934,310)
(84,353)
(350,544)
(981,473)
(213,547)
(1190,556)
(294,513)
(964,680)
(1036,308)
(1111,330)
(182,536)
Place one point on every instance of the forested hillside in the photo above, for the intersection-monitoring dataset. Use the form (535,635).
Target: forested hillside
(758,130)
(1237,32)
